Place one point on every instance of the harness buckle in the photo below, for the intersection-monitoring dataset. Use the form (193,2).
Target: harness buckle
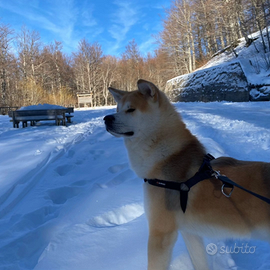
(216,174)
(224,193)
(184,187)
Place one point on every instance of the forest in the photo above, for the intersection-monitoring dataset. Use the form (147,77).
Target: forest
(32,72)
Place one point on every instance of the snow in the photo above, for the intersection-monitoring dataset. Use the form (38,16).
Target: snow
(44,106)
(69,200)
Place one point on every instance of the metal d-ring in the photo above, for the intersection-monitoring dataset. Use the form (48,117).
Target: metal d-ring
(225,194)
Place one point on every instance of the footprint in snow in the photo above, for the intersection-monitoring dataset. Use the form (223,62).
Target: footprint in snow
(117,168)
(96,153)
(62,194)
(35,218)
(64,169)
(79,162)
(71,154)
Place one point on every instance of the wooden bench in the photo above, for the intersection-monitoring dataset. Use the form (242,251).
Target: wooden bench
(69,110)
(33,116)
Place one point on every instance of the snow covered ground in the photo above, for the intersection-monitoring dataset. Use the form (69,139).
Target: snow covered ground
(69,200)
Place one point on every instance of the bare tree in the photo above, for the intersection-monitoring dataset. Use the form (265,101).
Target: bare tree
(29,47)
(133,65)
(5,61)
(158,68)
(177,37)
(57,77)
(87,63)
(108,73)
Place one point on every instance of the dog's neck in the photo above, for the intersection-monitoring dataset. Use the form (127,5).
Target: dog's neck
(149,156)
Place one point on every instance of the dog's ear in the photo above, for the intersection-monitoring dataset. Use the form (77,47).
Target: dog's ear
(148,89)
(117,94)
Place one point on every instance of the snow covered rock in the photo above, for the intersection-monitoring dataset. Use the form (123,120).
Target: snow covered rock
(260,93)
(223,82)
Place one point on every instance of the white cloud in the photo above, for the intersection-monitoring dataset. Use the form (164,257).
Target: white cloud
(88,22)
(86,15)
(27,12)
(58,18)
(147,46)
(69,21)
(122,21)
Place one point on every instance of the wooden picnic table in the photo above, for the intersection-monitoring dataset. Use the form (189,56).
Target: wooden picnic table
(60,116)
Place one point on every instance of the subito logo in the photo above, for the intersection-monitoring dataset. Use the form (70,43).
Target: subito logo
(211,249)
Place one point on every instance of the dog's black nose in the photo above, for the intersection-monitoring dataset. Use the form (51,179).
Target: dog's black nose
(109,118)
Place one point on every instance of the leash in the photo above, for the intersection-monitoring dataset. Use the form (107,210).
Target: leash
(227,181)
(205,172)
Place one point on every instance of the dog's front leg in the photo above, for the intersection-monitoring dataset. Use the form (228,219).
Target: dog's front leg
(196,249)
(160,245)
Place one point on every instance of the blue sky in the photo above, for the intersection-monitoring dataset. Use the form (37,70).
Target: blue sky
(110,23)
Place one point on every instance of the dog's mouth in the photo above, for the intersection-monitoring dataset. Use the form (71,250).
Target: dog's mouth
(130,133)
(120,134)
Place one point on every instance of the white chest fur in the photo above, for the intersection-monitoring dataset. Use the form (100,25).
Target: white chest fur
(142,158)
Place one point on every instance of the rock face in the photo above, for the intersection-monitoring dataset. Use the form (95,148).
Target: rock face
(223,82)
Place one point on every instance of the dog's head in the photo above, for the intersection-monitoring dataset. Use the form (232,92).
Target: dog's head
(136,111)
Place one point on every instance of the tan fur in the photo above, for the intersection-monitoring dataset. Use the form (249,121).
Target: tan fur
(160,146)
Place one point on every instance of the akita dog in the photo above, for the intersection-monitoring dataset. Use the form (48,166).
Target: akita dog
(161,147)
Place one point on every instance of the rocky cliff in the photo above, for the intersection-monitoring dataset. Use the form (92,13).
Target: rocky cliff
(223,82)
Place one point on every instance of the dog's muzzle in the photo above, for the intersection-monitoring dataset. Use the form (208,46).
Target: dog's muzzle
(110,127)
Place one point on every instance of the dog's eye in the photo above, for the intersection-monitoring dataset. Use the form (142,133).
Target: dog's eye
(130,110)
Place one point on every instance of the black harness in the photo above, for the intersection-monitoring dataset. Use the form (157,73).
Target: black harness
(205,172)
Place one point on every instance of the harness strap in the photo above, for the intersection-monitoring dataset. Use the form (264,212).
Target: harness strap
(205,172)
